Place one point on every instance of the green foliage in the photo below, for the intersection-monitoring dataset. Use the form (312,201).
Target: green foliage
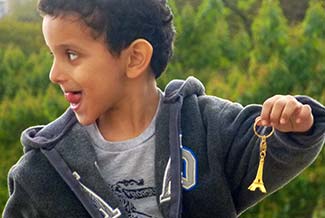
(269,31)
(243,50)
(26,96)
(26,36)
(245,5)
(204,42)
(207,42)
(314,24)
(19,71)
(18,113)
(12,63)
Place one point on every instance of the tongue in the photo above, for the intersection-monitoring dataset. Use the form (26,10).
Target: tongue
(73,97)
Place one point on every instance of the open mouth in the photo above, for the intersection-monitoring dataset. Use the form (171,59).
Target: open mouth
(74,98)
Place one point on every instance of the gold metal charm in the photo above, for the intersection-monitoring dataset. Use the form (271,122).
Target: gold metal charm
(258,181)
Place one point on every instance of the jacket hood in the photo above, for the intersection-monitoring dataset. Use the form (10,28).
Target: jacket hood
(180,88)
(175,93)
(37,137)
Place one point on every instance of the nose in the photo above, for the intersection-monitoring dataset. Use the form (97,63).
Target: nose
(57,74)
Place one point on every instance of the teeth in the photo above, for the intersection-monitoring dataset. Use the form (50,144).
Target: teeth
(74,105)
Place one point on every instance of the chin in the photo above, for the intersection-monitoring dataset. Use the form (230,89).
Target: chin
(85,121)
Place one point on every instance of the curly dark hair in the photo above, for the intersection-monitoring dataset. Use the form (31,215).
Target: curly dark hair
(122,22)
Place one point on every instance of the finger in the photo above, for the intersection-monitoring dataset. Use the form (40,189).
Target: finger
(290,109)
(276,112)
(267,108)
(304,114)
(258,121)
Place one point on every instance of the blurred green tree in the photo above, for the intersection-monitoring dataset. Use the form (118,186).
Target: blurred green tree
(27,36)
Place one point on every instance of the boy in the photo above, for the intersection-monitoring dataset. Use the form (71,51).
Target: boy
(126,149)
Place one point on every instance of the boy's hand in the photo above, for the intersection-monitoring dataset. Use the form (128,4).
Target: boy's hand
(286,114)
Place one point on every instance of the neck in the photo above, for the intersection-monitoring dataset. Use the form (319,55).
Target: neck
(133,114)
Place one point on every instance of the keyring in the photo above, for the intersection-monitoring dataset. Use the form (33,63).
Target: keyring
(257,134)
(258,181)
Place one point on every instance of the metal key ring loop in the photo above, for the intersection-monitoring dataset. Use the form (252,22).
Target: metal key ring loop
(257,134)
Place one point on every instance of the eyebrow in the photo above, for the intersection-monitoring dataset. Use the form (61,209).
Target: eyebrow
(70,46)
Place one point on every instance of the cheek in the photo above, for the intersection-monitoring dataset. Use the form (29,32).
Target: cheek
(101,82)
(101,73)
(89,73)
(111,71)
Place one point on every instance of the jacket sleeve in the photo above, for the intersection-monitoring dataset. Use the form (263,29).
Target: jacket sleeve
(19,204)
(238,147)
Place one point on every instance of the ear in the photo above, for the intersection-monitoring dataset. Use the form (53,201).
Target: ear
(139,56)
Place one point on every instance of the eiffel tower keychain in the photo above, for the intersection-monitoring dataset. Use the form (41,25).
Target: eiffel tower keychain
(258,181)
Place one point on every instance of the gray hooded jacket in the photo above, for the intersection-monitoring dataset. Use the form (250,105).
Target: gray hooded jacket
(206,157)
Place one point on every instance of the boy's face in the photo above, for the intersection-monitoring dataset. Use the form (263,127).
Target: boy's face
(93,81)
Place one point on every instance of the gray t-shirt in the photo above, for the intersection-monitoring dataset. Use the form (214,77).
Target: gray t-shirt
(128,168)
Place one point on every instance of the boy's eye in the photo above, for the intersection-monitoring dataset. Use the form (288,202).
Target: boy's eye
(72,55)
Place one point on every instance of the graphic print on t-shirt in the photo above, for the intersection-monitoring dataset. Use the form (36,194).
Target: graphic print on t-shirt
(131,193)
